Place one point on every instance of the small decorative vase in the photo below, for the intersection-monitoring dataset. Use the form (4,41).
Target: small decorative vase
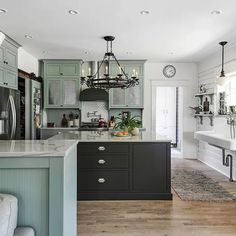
(135,131)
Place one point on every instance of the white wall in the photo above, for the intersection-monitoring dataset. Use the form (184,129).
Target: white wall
(208,70)
(27,62)
(186,77)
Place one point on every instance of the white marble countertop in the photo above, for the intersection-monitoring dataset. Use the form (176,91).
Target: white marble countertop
(106,136)
(62,128)
(35,148)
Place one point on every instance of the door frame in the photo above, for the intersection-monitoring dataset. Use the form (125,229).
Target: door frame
(181,84)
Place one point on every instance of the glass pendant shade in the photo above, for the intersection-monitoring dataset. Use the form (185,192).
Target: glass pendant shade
(221,80)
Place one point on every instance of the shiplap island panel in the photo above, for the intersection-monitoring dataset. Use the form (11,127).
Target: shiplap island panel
(42,175)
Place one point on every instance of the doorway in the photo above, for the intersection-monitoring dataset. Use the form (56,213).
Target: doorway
(168,116)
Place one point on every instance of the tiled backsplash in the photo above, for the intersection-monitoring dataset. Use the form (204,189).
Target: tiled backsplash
(99,106)
(56,115)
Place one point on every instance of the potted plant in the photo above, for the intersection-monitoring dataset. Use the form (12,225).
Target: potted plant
(128,123)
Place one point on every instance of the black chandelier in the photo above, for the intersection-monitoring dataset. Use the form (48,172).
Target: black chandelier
(121,80)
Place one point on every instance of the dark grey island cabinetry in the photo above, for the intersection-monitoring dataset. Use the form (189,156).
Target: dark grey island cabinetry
(123,170)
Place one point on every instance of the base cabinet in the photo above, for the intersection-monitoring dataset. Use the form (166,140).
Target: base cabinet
(112,171)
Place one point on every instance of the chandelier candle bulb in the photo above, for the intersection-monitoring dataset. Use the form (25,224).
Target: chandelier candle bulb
(82,73)
(106,70)
(119,70)
(89,71)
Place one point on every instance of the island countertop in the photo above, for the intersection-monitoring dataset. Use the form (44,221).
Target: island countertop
(35,148)
(107,136)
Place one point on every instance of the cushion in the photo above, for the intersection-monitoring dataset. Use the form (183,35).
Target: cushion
(8,214)
(24,231)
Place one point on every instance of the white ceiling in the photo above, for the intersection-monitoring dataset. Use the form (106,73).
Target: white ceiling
(175,30)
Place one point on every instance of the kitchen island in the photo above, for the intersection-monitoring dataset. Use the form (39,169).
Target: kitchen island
(115,168)
(42,175)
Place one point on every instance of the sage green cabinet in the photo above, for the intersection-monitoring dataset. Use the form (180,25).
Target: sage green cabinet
(62,68)
(130,97)
(9,64)
(61,93)
(61,83)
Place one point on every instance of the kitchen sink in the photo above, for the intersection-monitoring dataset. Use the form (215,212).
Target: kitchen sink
(216,139)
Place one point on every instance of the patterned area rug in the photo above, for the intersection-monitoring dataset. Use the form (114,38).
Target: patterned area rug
(193,185)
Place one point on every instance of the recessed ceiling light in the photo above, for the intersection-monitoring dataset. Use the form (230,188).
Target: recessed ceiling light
(128,53)
(3,11)
(144,12)
(28,36)
(216,12)
(73,12)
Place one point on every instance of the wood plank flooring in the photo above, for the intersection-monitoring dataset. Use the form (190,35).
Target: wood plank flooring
(164,218)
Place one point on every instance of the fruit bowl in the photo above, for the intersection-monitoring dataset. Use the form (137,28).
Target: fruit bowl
(121,134)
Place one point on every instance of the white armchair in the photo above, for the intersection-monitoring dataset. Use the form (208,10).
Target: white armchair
(8,218)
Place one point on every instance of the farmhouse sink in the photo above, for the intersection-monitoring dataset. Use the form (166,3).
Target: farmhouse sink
(216,139)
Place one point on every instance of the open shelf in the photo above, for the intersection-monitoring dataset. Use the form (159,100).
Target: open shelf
(210,116)
(201,95)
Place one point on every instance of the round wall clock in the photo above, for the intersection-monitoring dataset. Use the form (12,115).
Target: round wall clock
(169,71)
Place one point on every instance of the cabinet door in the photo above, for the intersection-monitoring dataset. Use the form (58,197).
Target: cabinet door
(52,69)
(53,93)
(135,95)
(117,97)
(70,93)
(150,167)
(132,68)
(11,59)
(1,55)
(69,69)
(2,80)
(11,79)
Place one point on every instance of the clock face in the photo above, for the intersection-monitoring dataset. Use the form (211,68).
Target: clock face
(169,71)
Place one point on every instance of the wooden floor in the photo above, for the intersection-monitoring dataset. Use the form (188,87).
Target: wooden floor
(166,218)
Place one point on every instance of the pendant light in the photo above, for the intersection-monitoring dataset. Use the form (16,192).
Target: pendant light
(2,37)
(106,80)
(222,78)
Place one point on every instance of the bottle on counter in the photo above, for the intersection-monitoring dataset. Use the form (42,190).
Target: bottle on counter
(76,121)
(112,122)
(64,121)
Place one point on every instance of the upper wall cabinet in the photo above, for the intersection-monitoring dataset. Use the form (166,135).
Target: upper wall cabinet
(61,83)
(9,64)
(66,68)
(131,97)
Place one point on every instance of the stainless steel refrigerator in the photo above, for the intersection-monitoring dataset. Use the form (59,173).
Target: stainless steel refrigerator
(9,114)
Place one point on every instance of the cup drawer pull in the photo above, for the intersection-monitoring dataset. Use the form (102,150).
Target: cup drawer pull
(101,162)
(101,148)
(101,180)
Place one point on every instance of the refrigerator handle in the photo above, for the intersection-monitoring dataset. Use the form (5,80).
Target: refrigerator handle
(13,111)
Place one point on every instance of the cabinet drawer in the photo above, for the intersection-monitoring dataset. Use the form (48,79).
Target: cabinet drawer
(102,181)
(103,148)
(106,161)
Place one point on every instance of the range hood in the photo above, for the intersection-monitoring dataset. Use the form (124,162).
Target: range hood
(93,94)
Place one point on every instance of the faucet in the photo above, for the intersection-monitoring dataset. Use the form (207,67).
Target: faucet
(231,120)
